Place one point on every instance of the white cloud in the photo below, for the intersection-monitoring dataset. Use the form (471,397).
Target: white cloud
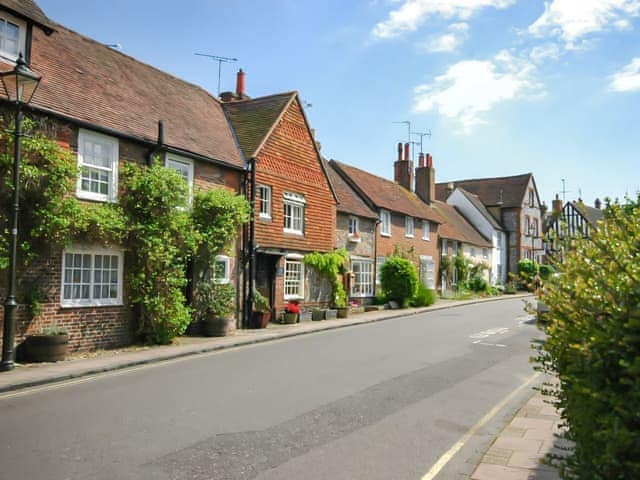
(447,42)
(573,19)
(413,13)
(628,78)
(541,52)
(472,87)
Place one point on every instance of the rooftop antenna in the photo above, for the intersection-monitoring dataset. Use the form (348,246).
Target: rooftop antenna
(219,60)
(413,153)
(428,134)
(408,124)
(115,46)
(564,190)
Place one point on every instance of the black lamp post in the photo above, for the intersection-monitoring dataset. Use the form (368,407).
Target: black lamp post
(19,84)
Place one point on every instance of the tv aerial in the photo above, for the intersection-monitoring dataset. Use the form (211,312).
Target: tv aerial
(422,135)
(220,61)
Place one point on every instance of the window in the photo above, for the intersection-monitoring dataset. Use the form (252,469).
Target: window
(472,252)
(379,262)
(408,227)
(535,227)
(499,242)
(293,213)
(293,277)
(385,223)
(445,247)
(98,163)
(485,253)
(527,226)
(354,228)
(426,230)
(362,285)
(427,271)
(264,201)
(91,277)
(531,199)
(184,167)
(221,269)
(12,36)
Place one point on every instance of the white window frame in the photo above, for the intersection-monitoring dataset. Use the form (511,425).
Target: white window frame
(175,162)
(385,223)
(112,171)
(426,230)
(296,203)
(264,197)
(408,227)
(296,263)
(91,301)
(226,261)
(354,226)
(22,37)
(485,253)
(363,278)
(379,262)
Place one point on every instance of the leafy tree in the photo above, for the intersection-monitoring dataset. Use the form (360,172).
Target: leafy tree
(399,279)
(593,347)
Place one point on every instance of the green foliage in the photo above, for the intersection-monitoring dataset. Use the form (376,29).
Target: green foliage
(546,271)
(212,299)
(331,265)
(380,298)
(477,282)
(593,347)
(162,239)
(527,271)
(260,302)
(399,279)
(423,297)
(463,267)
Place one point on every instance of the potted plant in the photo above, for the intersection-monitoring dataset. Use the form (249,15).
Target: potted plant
(49,346)
(213,305)
(261,310)
(291,312)
(340,303)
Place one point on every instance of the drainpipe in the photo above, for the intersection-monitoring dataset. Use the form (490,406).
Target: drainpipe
(159,145)
(251,244)
(375,253)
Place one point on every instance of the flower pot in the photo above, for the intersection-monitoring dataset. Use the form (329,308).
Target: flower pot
(343,312)
(215,327)
(305,317)
(46,348)
(260,319)
(330,314)
(317,315)
(289,318)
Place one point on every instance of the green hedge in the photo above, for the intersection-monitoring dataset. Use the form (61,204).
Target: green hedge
(593,347)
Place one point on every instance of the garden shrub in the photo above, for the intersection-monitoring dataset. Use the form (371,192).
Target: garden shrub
(399,279)
(423,297)
(593,347)
(546,271)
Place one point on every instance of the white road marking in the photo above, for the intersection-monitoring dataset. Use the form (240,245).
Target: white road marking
(449,454)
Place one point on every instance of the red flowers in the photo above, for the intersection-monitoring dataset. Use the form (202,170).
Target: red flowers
(292,307)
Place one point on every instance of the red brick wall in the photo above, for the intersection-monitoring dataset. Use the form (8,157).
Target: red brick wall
(289,162)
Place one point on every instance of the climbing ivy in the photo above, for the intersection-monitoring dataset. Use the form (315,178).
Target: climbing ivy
(330,265)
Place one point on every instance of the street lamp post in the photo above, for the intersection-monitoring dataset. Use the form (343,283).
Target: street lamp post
(532,234)
(19,84)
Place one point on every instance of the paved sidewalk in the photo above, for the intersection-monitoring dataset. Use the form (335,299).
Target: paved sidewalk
(517,452)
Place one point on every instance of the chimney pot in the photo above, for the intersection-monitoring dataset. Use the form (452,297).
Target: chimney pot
(240,90)
(406,152)
(421,160)
(399,151)
(598,203)
(429,160)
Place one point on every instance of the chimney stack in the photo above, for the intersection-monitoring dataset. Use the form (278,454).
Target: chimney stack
(421,160)
(598,204)
(240,90)
(556,206)
(403,169)
(426,180)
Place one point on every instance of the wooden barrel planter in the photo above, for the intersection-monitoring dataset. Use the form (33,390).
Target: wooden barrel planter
(343,312)
(46,348)
(215,327)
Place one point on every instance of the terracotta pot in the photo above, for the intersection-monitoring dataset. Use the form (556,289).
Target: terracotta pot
(46,348)
(260,319)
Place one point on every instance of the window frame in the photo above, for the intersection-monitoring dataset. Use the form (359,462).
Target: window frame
(91,301)
(385,223)
(426,230)
(297,260)
(265,202)
(359,275)
(226,260)
(409,227)
(22,37)
(296,202)
(189,163)
(112,193)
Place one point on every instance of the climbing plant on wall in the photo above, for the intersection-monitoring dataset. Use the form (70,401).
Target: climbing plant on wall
(331,265)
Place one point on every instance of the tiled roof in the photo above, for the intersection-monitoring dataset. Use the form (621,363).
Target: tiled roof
(386,194)
(456,227)
(254,119)
(591,214)
(28,9)
(481,208)
(90,82)
(488,189)
(348,200)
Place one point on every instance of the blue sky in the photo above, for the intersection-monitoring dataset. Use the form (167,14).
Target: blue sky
(504,86)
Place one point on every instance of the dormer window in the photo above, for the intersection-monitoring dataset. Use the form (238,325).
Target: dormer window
(13,34)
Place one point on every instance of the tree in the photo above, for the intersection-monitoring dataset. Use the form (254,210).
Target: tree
(399,279)
(593,347)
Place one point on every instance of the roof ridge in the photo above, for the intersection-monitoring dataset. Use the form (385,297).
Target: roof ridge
(486,178)
(264,97)
(130,57)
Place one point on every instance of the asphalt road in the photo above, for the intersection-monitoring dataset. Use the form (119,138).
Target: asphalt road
(378,401)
